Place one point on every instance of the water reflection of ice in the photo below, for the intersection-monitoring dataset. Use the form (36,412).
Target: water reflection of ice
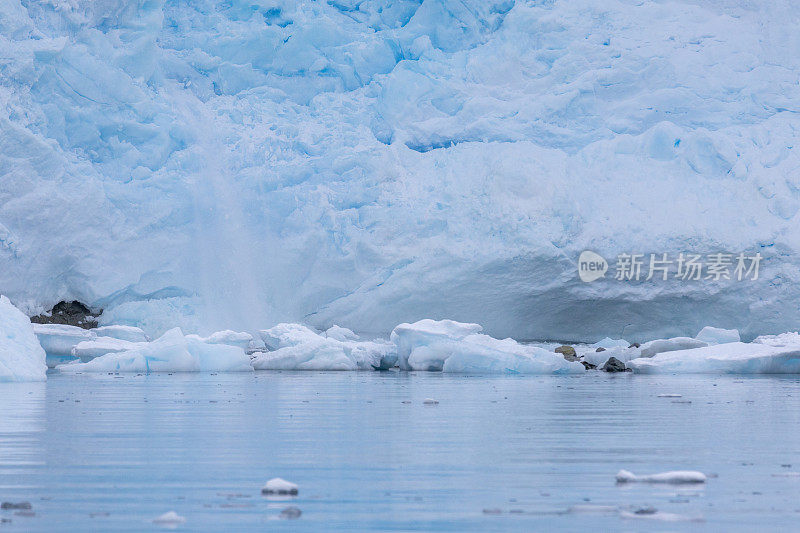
(22,422)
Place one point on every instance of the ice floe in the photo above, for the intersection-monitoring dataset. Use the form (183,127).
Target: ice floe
(172,352)
(297,347)
(280,487)
(21,356)
(232,338)
(88,350)
(170,519)
(728,358)
(674,477)
(58,340)
(449,346)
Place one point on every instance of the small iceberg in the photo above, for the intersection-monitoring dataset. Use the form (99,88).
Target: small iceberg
(675,477)
(21,356)
(280,487)
(172,352)
(170,518)
(58,340)
(729,358)
(297,347)
(448,346)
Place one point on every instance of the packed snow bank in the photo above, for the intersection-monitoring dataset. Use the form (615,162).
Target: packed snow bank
(449,346)
(172,352)
(297,347)
(21,356)
(676,477)
(712,335)
(731,358)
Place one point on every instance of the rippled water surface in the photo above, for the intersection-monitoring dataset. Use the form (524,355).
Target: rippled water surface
(495,454)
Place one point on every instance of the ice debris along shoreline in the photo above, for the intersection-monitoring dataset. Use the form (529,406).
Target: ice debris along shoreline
(425,345)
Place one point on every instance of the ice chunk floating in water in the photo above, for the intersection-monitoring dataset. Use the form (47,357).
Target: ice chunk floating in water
(172,352)
(729,358)
(279,486)
(297,347)
(677,477)
(456,347)
(169,519)
(21,356)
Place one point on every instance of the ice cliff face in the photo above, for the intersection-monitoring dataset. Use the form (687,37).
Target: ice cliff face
(213,164)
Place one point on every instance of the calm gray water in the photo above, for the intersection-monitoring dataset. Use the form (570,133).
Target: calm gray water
(113,452)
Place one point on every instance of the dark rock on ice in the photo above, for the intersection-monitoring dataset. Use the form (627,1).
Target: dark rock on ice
(614,365)
(568,352)
(72,313)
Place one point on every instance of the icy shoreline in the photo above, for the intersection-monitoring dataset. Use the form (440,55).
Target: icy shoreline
(425,345)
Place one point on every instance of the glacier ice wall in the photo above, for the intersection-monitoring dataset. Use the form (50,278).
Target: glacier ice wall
(213,164)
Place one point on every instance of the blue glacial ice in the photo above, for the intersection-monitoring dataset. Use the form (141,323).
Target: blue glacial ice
(230,165)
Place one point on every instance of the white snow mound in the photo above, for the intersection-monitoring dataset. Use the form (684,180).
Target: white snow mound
(21,356)
(172,352)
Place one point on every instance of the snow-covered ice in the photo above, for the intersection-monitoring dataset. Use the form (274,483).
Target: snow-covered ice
(651,348)
(124,333)
(21,356)
(279,486)
(675,477)
(88,350)
(241,339)
(297,347)
(58,340)
(712,335)
(728,358)
(449,346)
(172,352)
